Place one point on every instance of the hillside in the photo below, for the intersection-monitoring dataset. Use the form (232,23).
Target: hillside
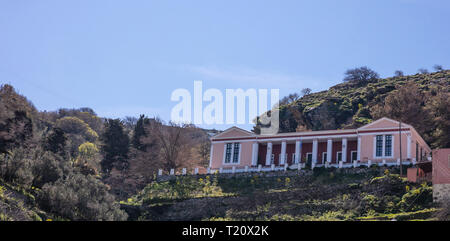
(375,193)
(350,105)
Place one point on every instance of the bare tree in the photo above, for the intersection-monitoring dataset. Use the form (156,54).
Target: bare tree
(289,99)
(398,73)
(423,71)
(204,152)
(306,91)
(360,75)
(438,67)
(174,142)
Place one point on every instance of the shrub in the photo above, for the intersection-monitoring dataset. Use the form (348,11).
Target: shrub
(417,198)
(47,168)
(16,166)
(79,197)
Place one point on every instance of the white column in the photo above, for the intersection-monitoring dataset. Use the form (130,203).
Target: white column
(329,150)
(211,154)
(255,154)
(408,146)
(314,151)
(358,154)
(269,153)
(283,153)
(344,149)
(298,145)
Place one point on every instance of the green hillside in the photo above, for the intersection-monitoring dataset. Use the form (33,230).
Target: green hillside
(374,193)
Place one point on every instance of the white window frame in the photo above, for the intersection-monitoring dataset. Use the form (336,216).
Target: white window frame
(232,154)
(272,159)
(392,146)
(337,156)
(309,153)
(323,156)
(351,155)
(383,148)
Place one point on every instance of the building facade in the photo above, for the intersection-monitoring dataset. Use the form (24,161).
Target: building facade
(374,143)
(441,174)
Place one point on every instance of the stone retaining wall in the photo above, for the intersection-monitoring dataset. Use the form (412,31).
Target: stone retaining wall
(441,192)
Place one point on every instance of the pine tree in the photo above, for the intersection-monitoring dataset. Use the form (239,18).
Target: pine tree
(115,146)
(139,132)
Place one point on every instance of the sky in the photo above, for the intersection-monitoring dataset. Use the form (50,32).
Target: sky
(125,58)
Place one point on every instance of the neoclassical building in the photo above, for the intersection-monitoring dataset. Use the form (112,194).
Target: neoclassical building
(375,143)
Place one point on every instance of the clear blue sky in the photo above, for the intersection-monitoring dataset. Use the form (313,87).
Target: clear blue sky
(126,57)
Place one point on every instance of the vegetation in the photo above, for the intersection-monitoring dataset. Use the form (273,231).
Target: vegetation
(326,194)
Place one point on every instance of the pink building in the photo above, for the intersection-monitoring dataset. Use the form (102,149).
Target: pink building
(441,174)
(375,143)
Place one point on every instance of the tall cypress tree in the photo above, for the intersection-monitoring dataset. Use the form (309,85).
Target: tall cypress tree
(115,145)
(139,132)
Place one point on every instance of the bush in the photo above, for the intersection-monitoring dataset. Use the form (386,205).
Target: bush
(417,198)
(47,168)
(80,197)
(16,166)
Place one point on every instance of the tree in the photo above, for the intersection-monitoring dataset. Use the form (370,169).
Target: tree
(16,119)
(439,108)
(115,145)
(88,158)
(423,71)
(306,91)
(48,167)
(56,141)
(74,125)
(405,104)
(78,197)
(174,142)
(139,132)
(438,67)
(398,73)
(204,152)
(289,99)
(361,75)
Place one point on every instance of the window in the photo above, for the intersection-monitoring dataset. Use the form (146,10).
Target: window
(383,146)
(236,153)
(388,145)
(354,155)
(228,153)
(324,157)
(293,157)
(339,156)
(379,145)
(417,151)
(232,151)
(272,159)
(309,156)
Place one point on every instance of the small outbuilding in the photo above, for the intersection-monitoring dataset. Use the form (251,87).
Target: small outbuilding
(441,174)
